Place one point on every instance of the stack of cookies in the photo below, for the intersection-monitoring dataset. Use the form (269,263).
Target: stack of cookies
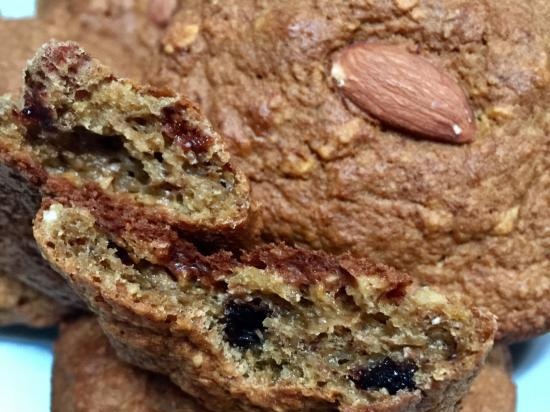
(316,206)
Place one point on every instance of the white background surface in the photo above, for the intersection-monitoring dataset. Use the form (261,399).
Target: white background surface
(26,355)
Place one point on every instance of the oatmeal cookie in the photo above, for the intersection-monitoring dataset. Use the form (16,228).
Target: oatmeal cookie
(271,326)
(329,175)
(89,377)
(152,148)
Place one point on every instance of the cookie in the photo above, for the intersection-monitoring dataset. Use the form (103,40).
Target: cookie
(493,389)
(147,156)
(22,305)
(272,325)
(155,148)
(332,176)
(88,377)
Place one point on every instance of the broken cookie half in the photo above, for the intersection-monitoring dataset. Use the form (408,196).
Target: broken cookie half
(101,136)
(272,328)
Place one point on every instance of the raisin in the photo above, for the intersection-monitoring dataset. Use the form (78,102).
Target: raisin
(386,374)
(244,322)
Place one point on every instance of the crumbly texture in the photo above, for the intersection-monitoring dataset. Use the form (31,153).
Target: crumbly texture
(273,325)
(493,389)
(20,197)
(22,305)
(136,145)
(470,219)
(89,377)
(147,155)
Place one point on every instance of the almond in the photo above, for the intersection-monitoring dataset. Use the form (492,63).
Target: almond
(405,91)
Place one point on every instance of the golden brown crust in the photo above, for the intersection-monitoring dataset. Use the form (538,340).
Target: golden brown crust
(88,377)
(173,323)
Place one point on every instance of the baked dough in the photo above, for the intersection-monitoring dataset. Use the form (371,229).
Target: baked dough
(273,327)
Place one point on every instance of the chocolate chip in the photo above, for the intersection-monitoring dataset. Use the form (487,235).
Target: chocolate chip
(386,374)
(187,136)
(244,322)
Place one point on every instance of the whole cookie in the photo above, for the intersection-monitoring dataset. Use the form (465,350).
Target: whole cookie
(333,172)
(88,377)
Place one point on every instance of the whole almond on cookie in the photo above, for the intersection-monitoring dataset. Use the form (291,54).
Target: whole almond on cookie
(405,91)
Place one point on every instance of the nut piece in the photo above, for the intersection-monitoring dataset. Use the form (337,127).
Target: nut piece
(179,36)
(404,91)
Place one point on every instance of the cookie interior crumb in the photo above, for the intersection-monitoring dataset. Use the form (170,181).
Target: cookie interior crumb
(356,338)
